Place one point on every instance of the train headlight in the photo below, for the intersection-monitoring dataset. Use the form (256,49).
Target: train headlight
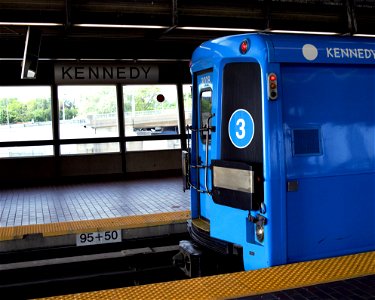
(259,231)
(259,222)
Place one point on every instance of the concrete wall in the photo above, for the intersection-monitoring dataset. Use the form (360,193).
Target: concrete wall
(44,169)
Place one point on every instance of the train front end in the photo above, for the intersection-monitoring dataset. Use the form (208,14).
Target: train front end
(225,165)
(281,164)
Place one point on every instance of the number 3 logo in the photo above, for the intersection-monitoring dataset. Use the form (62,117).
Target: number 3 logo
(241,123)
(241,128)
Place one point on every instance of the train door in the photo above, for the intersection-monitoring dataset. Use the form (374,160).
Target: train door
(204,138)
(229,152)
(241,146)
(328,116)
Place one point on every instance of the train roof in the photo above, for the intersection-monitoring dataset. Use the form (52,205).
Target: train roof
(290,48)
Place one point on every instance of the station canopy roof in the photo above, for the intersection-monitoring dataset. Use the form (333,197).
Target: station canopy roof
(164,29)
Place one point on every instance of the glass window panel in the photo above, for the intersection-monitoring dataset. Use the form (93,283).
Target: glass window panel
(153,145)
(206,107)
(25,113)
(26,151)
(149,113)
(88,111)
(89,148)
(186,88)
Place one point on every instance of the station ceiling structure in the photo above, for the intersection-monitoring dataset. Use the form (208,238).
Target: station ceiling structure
(164,29)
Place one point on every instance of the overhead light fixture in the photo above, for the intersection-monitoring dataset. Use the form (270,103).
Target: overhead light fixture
(89,25)
(29,24)
(216,29)
(303,32)
(31,53)
(121,26)
(364,35)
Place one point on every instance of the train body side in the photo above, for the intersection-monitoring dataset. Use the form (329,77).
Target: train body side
(308,150)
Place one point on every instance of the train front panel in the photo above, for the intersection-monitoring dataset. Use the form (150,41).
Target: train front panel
(230,180)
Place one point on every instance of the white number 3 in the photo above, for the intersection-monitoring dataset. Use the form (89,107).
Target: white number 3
(241,123)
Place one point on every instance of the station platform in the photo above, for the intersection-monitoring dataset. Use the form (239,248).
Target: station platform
(56,215)
(346,277)
(47,216)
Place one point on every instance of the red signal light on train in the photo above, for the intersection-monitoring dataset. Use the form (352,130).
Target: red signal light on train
(272,77)
(272,86)
(244,47)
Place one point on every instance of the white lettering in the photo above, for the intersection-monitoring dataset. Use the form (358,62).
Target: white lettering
(350,53)
(337,52)
(329,52)
(360,53)
(367,53)
(353,53)
(345,53)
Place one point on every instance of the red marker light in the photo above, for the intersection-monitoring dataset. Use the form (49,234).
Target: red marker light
(272,86)
(244,47)
(272,77)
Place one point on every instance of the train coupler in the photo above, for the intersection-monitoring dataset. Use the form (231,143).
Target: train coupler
(189,259)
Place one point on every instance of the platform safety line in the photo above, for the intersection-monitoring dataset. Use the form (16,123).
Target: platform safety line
(241,284)
(74,227)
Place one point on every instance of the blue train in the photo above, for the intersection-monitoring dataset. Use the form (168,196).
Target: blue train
(281,163)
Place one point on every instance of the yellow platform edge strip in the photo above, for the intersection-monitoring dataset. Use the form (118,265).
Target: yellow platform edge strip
(64,228)
(250,283)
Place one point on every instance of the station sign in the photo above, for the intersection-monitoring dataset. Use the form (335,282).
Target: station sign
(105,73)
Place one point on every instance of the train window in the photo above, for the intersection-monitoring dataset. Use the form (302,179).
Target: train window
(146,115)
(205,111)
(25,115)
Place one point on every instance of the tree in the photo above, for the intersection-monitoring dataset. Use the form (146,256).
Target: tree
(17,111)
(145,99)
(38,110)
(3,111)
(14,111)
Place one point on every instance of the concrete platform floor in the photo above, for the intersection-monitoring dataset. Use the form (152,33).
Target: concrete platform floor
(91,201)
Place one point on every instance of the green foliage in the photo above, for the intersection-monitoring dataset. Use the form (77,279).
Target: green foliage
(13,111)
(68,112)
(95,100)
(206,104)
(145,100)
(80,102)
(38,110)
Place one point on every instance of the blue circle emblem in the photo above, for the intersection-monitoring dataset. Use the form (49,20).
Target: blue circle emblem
(241,128)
